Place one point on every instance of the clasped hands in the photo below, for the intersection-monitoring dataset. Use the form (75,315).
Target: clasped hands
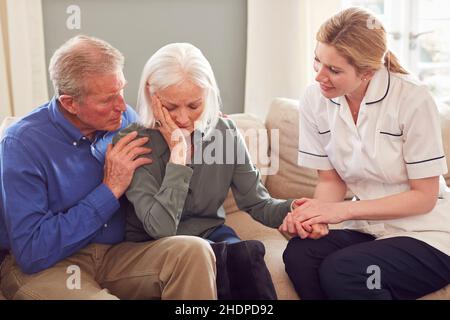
(310,218)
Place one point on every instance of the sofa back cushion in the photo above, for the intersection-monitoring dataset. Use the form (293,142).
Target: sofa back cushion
(254,132)
(291,181)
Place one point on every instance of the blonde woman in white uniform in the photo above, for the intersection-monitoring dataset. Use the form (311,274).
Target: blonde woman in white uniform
(369,127)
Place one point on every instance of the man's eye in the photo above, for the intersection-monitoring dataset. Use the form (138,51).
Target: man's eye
(108,100)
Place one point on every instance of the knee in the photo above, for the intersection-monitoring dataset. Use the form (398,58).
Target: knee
(296,253)
(337,274)
(193,250)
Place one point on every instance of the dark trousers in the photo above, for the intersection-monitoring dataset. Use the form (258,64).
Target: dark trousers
(242,273)
(351,265)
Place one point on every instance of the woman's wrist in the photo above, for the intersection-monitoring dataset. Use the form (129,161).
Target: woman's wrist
(345,210)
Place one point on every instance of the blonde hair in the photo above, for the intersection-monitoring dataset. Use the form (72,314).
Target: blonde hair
(361,38)
(171,65)
(78,57)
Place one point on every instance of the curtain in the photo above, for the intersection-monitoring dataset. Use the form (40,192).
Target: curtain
(23,76)
(280,49)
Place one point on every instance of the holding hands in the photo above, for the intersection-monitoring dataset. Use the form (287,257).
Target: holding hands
(310,218)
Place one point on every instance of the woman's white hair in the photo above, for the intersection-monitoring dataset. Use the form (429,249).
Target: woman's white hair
(171,65)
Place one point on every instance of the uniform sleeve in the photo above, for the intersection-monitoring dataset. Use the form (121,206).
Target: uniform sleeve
(311,152)
(423,151)
(251,195)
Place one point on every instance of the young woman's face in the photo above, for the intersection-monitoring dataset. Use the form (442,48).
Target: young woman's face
(185,103)
(335,75)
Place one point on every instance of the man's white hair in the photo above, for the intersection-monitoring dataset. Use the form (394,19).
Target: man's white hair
(171,65)
(79,57)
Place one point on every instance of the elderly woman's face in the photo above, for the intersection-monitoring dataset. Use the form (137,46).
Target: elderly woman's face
(185,103)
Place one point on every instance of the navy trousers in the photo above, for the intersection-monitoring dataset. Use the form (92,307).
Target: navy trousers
(352,265)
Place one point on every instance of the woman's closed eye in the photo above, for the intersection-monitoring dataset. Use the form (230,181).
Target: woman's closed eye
(195,106)
(334,71)
(318,65)
(169,108)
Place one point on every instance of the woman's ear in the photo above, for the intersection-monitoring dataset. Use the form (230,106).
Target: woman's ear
(368,75)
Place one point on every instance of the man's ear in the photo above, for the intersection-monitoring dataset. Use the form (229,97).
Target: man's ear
(68,103)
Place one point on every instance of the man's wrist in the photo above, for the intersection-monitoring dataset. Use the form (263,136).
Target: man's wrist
(116,193)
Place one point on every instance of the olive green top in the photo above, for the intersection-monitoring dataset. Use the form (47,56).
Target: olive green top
(169,199)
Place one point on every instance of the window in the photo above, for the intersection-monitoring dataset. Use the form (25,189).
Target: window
(419,34)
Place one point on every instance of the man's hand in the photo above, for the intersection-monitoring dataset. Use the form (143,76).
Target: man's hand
(121,162)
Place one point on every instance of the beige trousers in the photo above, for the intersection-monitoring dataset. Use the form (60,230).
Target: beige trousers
(178,268)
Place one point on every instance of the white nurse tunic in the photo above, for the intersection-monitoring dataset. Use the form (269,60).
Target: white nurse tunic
(397,137)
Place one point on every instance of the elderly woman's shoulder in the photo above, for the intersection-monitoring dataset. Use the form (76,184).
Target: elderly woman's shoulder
(142,131)
(224,123)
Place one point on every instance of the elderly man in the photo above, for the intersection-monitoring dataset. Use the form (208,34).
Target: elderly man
(61,182)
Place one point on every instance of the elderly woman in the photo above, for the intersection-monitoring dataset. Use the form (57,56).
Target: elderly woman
(183,190)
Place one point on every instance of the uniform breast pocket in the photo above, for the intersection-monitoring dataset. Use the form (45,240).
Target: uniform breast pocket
(392,140)
(390,153)
(324,134)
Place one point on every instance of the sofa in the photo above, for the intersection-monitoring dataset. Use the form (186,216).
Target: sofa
(284,179)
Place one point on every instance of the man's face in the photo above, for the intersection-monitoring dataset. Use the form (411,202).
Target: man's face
(102,105)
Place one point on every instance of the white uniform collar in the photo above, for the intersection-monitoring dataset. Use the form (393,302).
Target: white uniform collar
(378,88)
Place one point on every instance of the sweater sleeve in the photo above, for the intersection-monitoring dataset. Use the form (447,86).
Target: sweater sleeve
(251,195)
